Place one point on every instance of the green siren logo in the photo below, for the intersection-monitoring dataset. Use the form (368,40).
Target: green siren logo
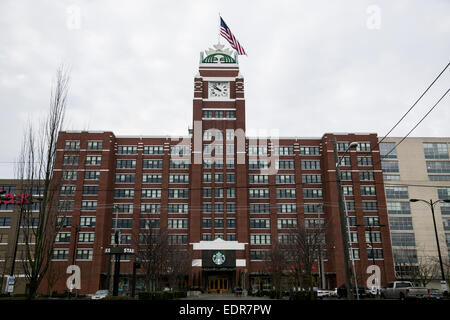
(218,258)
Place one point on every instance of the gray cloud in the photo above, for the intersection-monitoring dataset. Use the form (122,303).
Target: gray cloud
(313,66)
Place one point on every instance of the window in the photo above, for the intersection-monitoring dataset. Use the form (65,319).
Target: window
(86,237)
(206,237)
(259,208)
(400,223)
(72,145)
(258,179)
(286,208)
(123,193)
(398,207)
(369,206)
(95,145)
(178,178)
(345,161)
(354,252)
(206,207)
(149,223)
(69,175)
(260,239)
(368,191)
(346,175)
(231,223)
(231,178)
(126,164)
(61,221)
(230,163)
(218,178)
(123,208)
(391,177)
(287,223)
(206,223)
(70,161)
(152,164)
(363,147)
(151,193)
(123,239)
(179,164)
(259,223)
(125,178)
(178,193)
(151,208)
(396,192)
(389,166)
(443,193)
(84,254)
(93,160)
(231,207)
(62,237)
(68,190)
(311,178)
(127,150)
(438,166)
(284,151)
(285,193)
(387,150)
(218,207)
(180,150)
(258,193)
(88,205)
(364,161)
(435,150)
(87,221)
(90,190)
(310,164)
(218,223)
(347,190)
(285,179)
(373,237)
(177,223)
(353,237)
(178,208)
(366,176)
(229,134)
(312,193)
(152,178)
(405,256)
(403,240)
(122,223)
(60,254)
(375,253)
(207,192)
(284,164)
(257,150)
(231,237)
(371,221)
(313,208)
(91,175)
(207,114)
(258,255)
(309,151)
(258,164)
(229,149)
(65,205)
(445,208)
(153,150)
(446,223)
(314,223)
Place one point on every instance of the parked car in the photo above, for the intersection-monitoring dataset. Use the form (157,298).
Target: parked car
(434,294)
(342,292)
(333,293)
(321,293)
(404,290)
(100,294)
(373,291)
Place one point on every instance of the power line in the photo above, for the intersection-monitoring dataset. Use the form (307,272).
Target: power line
(414,104)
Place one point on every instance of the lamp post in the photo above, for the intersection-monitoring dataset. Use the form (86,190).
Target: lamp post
(432,204)
(116,277)
(343,221)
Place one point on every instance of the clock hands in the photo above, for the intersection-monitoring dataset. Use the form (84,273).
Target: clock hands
(215,87)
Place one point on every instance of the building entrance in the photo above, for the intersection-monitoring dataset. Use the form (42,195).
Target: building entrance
(219,284)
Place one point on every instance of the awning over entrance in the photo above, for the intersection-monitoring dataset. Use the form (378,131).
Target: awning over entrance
(219,244)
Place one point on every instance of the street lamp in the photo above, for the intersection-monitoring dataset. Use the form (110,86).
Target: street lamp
(431,204)
(342,216)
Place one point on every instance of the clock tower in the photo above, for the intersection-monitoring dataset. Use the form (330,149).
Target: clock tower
(219,179)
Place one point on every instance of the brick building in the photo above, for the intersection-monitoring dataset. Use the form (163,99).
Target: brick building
(222,196)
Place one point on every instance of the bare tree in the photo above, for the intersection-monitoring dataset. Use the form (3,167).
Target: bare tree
(277,265)
(153,252)
(179,266)
(35,172)
(53,275)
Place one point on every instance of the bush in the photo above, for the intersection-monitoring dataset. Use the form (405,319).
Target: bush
(275,294)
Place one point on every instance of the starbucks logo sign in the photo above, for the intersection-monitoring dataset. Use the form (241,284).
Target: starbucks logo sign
(218,258)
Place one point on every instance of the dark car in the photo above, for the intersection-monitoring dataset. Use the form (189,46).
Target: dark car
(342,292)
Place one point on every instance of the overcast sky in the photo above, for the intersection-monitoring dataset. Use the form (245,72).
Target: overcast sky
(312,67)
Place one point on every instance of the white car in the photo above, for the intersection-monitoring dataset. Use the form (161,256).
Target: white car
(322,293)
(100,294)
(333,293)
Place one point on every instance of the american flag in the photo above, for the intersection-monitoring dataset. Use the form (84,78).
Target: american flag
(226,33)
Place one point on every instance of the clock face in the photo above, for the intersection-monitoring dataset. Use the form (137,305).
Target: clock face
(219,89)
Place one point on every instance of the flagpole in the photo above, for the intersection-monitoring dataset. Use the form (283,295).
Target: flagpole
(218,38)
